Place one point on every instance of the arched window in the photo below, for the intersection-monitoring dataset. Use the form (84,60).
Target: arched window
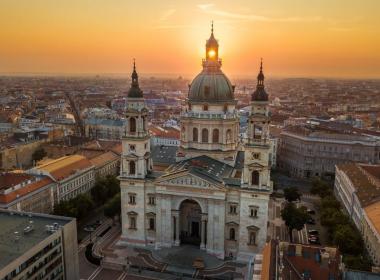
(195,134)
(143,122)
(255,177)
(132,125)
(132,168)
(229,135)
(252,238)
(232,234)
(204,135)
(225,108)
(205,107)
(215,136)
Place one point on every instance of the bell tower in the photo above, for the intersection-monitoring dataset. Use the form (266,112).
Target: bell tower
(256,173)
(136,160)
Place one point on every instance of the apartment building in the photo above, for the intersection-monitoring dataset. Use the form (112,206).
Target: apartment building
(38,246)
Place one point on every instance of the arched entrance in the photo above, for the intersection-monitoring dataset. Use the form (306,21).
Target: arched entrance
(190,215)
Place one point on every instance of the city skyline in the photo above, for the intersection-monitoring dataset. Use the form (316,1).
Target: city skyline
(295,38)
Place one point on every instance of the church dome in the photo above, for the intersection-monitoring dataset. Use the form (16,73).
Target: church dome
(212,87)
(211,84)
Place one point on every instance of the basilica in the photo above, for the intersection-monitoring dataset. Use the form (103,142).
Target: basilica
(215,194)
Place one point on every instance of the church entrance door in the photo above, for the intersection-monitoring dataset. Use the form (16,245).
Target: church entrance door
(190,222)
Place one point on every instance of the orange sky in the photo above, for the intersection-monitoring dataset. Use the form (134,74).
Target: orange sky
(337,38)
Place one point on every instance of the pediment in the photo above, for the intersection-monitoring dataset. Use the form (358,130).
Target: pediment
(255,165)
(185,179)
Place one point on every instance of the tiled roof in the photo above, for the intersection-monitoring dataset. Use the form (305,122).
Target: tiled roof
(167,132)
(104,159)
(164,154)
(63,167)
(367,189)
(8,180)
(27,189)
(373,214)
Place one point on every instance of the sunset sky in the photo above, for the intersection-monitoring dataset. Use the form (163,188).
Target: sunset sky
(328,38)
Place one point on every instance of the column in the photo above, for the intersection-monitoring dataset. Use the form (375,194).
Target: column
(203,231)
(176,226)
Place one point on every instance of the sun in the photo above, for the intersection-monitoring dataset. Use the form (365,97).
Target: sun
(211,53)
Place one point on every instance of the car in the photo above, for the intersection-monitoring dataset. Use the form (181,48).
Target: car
(310,221)
(311,211)
(314,241)
(313,231)
(89,228)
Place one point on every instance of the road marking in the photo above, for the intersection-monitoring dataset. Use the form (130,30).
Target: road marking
(95,273)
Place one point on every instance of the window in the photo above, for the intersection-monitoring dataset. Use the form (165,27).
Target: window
(147,164)
(205,107)
(151,200)
(143,123)
(132,147)
(195,134)
(252,238)
(229,135)
(233,208)
(151,224)
(253,210)
(132,222)
(255,178)
(132,125)
(204,135)
(215,135)
(232,234)
(225,108)
(132,168)
(132,198)
(256,155)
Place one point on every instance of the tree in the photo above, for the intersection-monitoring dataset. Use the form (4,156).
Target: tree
(332,217)
(99,192)
(295,218)
(348,240)
(39,154)
(83,205)
(113,207)
(357,262)
(330,202)
(292,194)
(113,185)
(320,188)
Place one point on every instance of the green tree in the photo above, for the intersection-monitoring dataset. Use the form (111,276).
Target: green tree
(320,188)
(292,194)
(348,240)
(83,204)
(330,202)
(39,154)
(113,185)
(295,218)
(99,192)
(357,262)
(113,207)
(331,217)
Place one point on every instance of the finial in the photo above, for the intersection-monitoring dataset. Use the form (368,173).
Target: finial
(212,27)
(134,64)
(261,65)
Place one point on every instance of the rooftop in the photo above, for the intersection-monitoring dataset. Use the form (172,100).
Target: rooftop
(64,166)
(103,159)
(8,180)
(373,214)
(12,244)
(367,189)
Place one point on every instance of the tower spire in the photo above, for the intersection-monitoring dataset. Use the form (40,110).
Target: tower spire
(135,90)
(212,27)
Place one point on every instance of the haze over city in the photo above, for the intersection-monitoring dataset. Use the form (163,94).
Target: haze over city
(296,38)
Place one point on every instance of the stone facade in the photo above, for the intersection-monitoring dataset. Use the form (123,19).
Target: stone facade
(307,152)
(215,194)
